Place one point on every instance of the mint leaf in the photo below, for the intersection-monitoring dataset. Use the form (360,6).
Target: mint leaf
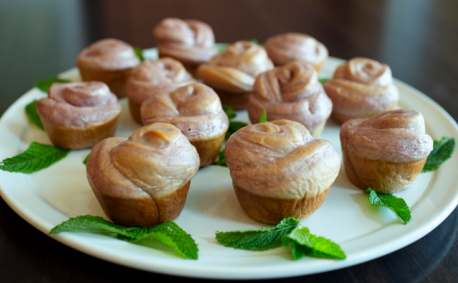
(38,156)
(44,85)
(303,243)
(32,114)
(395,204)
(171,235)
(167,233)
(89,223)
(263,117)
(258,239)
(85,159)
(221,161)
(234,126)
(322,81)
(221,47)
(254,40)
(230,112)
(139,53)
(442,150)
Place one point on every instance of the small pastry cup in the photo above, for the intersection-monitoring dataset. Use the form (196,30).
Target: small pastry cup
(272,211)
(208,149)
(144,212)
(78,138)
(116,79)
(238,101)
(382,176)
(191,68)
(342,118)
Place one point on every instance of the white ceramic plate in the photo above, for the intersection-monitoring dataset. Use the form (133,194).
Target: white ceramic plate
(51,196)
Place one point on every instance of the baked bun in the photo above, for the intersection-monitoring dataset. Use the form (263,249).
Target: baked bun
(385,152)
(143,180)
(291,92)
(232,72)
(196,110)
(79,115)
(287,47)
(109,61)
(279,170)
(189,41)
(361,88)
(153,77)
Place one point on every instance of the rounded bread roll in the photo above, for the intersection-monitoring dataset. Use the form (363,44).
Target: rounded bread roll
(387,151)
(154,77)
(143,180)
(287,47)
(79,115)
(196,110)
(291,92)
(279,170)
(361,88)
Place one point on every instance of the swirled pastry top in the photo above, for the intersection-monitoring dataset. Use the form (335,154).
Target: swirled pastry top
(236,68)
(195,109)
(287,47)
(155,160)
(395,135)
(189,41)
(291,92)
(154,77)
(78,104)
(362,86)
(108,54)
(280,159)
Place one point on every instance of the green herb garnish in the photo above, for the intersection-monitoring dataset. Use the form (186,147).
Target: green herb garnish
(230,112)
(85,159)
(259,239)
(322,81)
(442,150)
(38,156)
(221,47)
(167,233)
(44,85)
(395,204)
(263,117)
(32,114)
(303,243)
(139,53)
(234,126)
(221,161)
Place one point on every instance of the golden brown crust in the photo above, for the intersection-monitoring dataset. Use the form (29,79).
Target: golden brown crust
(134,108)
(115,79)
(272,211)
(342,118)
(208,149)
(73,138)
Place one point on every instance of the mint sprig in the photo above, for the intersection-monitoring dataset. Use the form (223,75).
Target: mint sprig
(221,47)
(32,114)
(303,243)
(322,81)
(221,160)
(234,126)
(395,204)
(259,239)
(85,159)
(230,112)
(442,151)
(37,156)
(263,117)
(167,233)
(44,85)
(139,53)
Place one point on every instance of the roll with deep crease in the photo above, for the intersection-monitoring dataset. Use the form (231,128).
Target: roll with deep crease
(79,115)
(291,92)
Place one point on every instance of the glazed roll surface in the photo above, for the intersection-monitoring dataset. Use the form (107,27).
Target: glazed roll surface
(189,41)
(290,92)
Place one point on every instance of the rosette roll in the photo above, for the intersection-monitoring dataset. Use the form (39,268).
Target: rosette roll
(291,92)
(189,41)
(143,180)
(79,115)
(196,110)
(287,47)
(279,170)
(387,151)
(154,77)
(361,88)
(232,72)
(109,61)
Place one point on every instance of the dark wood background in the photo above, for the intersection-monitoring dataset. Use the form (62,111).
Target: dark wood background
(417,38)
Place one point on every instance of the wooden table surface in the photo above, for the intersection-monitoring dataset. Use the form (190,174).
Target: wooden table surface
(417,39)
